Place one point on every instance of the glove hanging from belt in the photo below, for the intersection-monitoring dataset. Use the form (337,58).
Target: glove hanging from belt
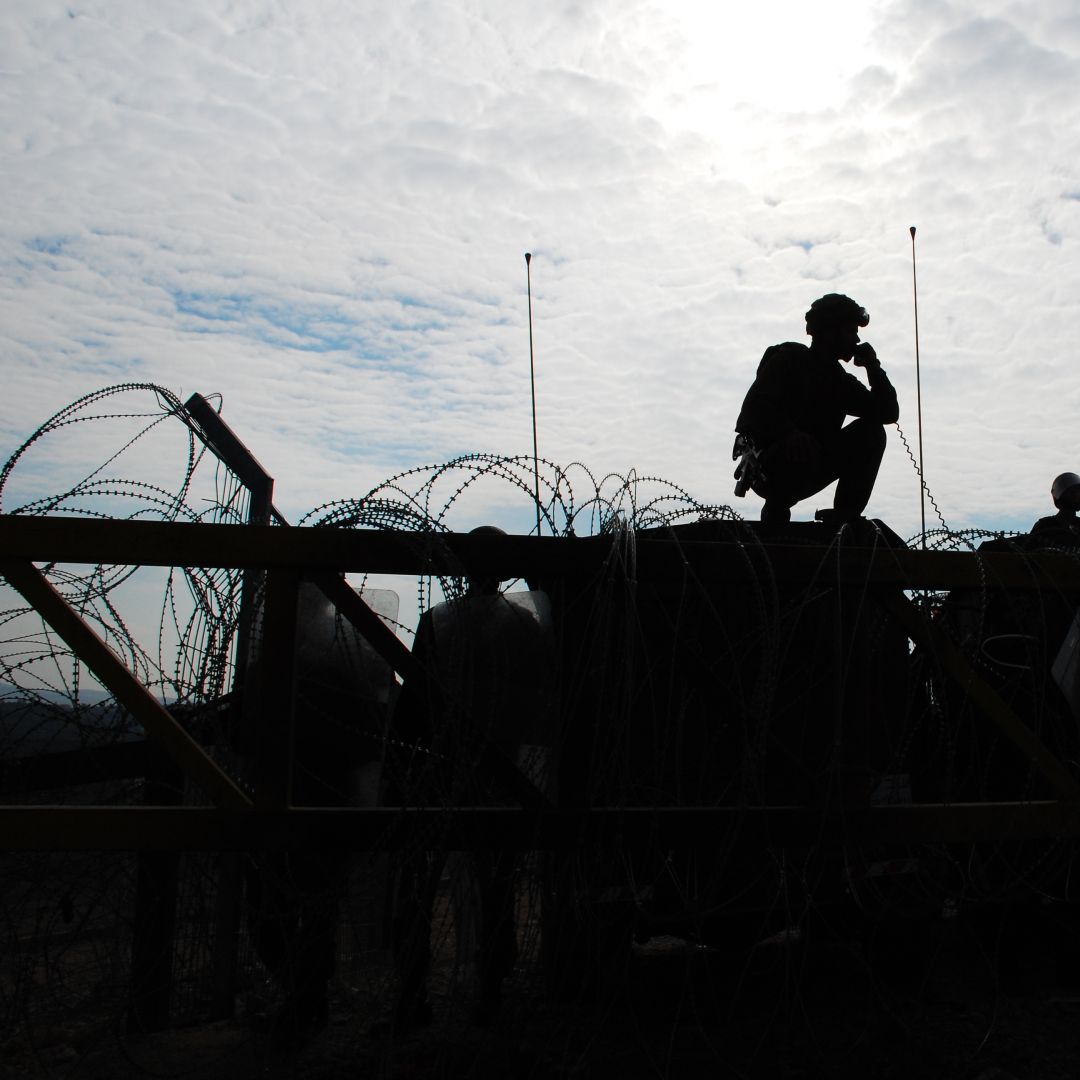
(749,471)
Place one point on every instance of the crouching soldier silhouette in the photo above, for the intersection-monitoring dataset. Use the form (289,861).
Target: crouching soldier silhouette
(470,728)
(791,432)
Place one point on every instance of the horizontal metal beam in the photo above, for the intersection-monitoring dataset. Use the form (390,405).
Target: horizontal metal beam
(152,543)
(67,828)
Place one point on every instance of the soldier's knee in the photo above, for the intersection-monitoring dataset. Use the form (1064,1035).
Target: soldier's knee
(868,434)
(878,437)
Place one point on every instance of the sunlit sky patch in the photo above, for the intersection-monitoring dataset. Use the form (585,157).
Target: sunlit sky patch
(775,57)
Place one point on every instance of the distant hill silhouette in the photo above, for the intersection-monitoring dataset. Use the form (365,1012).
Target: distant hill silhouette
(47,723)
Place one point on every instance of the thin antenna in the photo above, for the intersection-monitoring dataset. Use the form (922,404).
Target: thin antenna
(918,388)
(532,385)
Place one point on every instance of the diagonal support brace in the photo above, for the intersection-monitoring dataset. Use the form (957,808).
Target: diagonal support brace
(160,725)
(924,633)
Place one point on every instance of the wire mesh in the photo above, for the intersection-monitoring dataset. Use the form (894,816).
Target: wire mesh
(682,693)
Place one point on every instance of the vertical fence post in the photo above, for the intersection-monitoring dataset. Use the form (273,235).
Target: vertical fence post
(268,735)
(153,939)
(223,442)
(274,677)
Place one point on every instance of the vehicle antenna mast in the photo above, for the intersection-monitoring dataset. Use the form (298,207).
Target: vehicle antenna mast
(532,385)
(918,388)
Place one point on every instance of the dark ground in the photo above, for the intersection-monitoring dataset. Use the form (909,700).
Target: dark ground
(803,1010)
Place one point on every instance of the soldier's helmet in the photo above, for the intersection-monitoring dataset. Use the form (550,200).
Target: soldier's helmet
(1065,485)
(835,309)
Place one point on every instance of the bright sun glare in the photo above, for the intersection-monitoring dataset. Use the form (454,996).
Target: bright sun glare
(775,56)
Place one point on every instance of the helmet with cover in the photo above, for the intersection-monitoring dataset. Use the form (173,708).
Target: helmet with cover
(834,310)
(1065,491)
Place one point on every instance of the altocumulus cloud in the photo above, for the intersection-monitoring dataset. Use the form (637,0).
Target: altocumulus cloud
(321,211)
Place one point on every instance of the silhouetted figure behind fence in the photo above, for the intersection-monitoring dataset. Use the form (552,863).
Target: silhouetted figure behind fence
(486,661)
(791,434)
(1063,526)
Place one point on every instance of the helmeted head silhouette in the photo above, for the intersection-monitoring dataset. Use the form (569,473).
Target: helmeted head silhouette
(834,310)
(482,584)
(1065,491)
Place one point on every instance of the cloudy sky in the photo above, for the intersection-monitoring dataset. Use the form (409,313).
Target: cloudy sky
(320,211)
